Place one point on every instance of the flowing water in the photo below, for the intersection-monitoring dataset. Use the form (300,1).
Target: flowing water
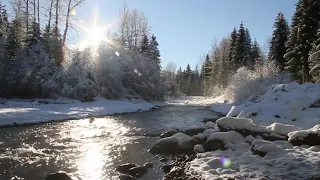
(90,150)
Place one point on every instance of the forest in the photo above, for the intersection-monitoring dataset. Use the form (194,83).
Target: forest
(36,61)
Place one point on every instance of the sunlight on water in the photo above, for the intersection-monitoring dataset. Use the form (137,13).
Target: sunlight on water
(92,162)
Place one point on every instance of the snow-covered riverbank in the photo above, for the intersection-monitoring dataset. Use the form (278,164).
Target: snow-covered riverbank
(275,135)
(36,111)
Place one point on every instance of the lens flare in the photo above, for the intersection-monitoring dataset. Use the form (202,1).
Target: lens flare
(117,54)
(225,162)
(73,12)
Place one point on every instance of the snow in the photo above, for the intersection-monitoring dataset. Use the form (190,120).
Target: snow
(266,146)
(282,103)
(35,111)
(282,129)
(239,123)
(301,134)
(282,162)
(226,137)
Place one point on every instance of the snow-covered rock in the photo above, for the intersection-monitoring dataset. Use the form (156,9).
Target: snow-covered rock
(309,137)
(283,129)
(231,123)
(222,140)
(194,130)
(199,138)
(185,142)
(198,148)
(165,146)
(179,142)
(262,147)
(169,132)
(210,125)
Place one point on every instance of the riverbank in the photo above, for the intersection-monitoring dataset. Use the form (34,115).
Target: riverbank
(19,112)
(275,135)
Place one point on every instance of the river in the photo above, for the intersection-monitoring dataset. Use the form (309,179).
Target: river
(90,150)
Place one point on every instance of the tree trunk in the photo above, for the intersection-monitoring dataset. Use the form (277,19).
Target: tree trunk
(57,19)
(50,15)
(27,12)
(67,24)
(38,11)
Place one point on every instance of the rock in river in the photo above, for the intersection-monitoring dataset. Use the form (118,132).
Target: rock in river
(125,168)
(138,171)
(60,175)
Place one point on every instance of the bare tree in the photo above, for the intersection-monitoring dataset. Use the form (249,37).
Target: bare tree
(133,26)
(71,5)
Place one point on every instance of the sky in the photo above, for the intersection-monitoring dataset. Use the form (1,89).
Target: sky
(186,29)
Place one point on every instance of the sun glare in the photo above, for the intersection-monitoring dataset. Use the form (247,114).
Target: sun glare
(94,35)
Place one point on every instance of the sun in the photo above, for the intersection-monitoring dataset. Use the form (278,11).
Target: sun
(93,35)
(96,35)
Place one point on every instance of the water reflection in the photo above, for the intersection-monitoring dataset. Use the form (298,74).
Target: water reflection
(93,161)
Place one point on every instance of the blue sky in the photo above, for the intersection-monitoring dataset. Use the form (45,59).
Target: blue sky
(186,29)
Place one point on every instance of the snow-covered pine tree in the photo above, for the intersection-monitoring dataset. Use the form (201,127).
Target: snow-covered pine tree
(292,56)
(154,51)
(239,52)
(14,41)
(29,71)
(248,61)
(4,23)
(233,40)
(280,35)
(256,53)
(309,25)
(144,45)
(314,59)
(76,77)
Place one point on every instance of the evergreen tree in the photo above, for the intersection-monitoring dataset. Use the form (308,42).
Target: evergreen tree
(4,23)
(256,53)
(314,59)
(248,61)
(240,48)
(34,34)
(233,40)
(154,51)
(305,24)
(308,27)
(144,46)
(292,57)
(279,38)
(15,39)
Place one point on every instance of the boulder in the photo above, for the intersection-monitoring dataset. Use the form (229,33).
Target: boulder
(262,147)
(309,137)
(60,175)
(199,138)
(210,125)
(148,165)
(125,168)
(125,177)
(169,132)
(213,145)
(194,131)
(163,159)
(138,171)
(167,145)
(198,148)
(247,127)
(167,168)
